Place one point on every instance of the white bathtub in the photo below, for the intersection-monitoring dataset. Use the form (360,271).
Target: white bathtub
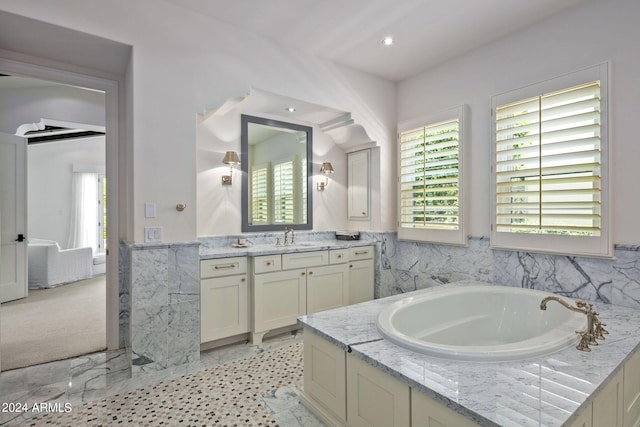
(481,323)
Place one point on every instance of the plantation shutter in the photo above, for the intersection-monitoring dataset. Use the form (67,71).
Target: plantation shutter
(259,196)
(550,166)
(548,163)
(283,193)
(430,181)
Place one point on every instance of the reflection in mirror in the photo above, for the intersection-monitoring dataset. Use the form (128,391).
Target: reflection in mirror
(276,180)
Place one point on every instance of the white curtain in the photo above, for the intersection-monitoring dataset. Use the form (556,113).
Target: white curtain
(84,213)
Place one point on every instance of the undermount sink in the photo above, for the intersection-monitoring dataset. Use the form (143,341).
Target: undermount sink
(480,323)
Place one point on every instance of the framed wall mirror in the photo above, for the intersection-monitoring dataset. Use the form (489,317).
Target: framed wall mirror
(276,162)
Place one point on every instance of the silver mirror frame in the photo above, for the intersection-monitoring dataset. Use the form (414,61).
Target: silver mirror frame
(244,163)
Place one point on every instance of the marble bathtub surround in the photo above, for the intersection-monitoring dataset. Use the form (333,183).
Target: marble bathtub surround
(408,266)
(545,390)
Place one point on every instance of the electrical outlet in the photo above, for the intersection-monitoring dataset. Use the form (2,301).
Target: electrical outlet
(152,234)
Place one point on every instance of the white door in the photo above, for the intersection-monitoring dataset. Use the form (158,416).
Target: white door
(13,217)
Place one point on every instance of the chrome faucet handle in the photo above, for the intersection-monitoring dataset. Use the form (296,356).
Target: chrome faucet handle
(278,242)
(293,236)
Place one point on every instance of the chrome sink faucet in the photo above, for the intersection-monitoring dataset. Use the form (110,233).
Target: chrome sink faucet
(595,328)
(286,234)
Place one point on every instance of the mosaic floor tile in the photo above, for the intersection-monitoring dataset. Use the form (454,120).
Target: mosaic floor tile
(232,394)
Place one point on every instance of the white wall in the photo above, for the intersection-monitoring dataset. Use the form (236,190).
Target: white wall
(589,34)
(49,178)
(183,63)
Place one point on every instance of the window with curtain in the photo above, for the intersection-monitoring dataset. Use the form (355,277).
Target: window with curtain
(550,167)
(431,179)
(85,215)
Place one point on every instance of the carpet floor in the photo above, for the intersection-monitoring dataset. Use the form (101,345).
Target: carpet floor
(225,395)
(54,324)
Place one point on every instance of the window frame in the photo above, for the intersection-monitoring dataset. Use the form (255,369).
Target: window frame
(432,235)
(590,246)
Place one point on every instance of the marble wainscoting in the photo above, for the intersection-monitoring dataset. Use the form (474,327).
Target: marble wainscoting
(160,304)
(408,266)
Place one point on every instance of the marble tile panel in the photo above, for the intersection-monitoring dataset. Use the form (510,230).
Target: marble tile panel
(183,332)
(150,265)
(626,278)
(184,271)
(575,277)
(149,332)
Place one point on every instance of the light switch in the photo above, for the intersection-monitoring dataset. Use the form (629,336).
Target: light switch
(152,234)
(149,210)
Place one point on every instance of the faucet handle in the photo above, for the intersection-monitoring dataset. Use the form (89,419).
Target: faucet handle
(585,340)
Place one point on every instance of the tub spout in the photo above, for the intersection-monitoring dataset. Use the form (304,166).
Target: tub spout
(543,304)
(595,328)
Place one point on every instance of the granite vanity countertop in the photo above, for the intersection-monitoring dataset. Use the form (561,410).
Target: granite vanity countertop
(542,391)
(270,249)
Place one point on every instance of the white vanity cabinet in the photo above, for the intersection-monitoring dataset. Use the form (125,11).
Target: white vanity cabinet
(224,298)
(361,274)
(291,285)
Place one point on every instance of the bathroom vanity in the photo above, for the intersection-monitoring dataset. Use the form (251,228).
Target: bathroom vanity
(352,376)
(249,292)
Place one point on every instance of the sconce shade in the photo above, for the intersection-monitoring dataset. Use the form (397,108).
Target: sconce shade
(326,168)
(231,158)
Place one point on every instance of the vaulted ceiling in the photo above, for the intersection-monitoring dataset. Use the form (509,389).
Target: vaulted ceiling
(350,32)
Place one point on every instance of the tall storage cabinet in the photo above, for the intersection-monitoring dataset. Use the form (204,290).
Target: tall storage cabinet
(224,298)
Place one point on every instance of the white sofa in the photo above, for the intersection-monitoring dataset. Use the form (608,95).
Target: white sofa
(50,266)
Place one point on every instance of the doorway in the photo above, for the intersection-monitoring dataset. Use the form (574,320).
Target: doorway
(58,78)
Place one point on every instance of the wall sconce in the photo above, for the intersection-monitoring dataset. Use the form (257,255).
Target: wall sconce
(230,158)
(326,169)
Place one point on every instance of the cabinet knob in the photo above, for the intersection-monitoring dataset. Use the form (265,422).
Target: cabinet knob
(303,273)
(339,256)
(243,279)
(350,265)
(268,262)
(311,272)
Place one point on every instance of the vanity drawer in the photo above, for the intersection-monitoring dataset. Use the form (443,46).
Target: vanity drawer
(304,259)
(363,252)
(267,263)
(222,267)
(338,256)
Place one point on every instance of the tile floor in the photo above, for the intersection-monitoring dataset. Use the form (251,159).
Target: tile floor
(235,385)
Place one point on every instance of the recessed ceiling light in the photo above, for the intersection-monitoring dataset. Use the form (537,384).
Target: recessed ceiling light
(290,109)
(387,41)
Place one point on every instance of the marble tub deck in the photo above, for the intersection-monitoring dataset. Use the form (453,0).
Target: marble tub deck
(542,391)
(107,376)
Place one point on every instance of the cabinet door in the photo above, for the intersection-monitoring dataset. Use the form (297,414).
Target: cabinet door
(375,398)
(224,307)
(426,412)
(632,391)
(327,287)
(279,299)
(325,373)
(361,280)
(584,419)
(607,405)
(358,185)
